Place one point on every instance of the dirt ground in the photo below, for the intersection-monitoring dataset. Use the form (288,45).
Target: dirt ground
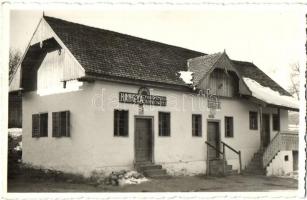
(237,183)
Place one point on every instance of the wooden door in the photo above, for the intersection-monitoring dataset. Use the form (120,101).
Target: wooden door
(143,140)
(266,130)
(213,137)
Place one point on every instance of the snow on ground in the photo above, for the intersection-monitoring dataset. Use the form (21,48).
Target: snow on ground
(15,132)
(186,76)
(270,96)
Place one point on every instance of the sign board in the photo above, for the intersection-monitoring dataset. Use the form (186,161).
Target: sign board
(142,98)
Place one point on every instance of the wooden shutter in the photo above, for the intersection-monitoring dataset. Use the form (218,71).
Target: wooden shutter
(116,129)
(56,126)
(43,125)
(199,131)
(35,125)
(67,124)
(126,122)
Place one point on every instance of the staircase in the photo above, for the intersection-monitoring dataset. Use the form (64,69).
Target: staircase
(283,141)
(217,167)
(151,170)
(255,166)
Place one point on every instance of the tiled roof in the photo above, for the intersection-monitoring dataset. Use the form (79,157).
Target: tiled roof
(249,70)
(201,65)
(110,53)
(107,53)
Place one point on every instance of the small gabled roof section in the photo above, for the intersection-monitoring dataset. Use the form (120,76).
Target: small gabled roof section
(201,65)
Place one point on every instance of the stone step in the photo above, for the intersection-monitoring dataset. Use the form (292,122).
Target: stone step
(232,172)
(155,172)
(142,168)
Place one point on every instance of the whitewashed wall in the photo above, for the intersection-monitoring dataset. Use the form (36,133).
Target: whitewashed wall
(279,166)
(93,146)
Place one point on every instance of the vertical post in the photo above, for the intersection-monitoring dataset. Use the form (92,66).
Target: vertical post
(207,159)
(224,159)
(240,162)
(261,129)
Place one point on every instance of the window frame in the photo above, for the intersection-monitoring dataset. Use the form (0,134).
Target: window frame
(198,119)
(116,124)
(160,124)
(253,126)
(231,135)
(39,130)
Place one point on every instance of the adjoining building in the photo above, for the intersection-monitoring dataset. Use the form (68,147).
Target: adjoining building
(94,99)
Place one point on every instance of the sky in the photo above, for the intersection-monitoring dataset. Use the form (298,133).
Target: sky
(271,39)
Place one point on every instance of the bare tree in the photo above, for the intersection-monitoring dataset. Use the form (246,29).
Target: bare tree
(295,80)
(15,56)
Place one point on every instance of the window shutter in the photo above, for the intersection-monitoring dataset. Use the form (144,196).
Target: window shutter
(35,125)
(56,124)
(43,125)
(67,124)
(115,123)
(199,126)
(126,121)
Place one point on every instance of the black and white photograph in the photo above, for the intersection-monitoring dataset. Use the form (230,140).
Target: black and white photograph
(196,100)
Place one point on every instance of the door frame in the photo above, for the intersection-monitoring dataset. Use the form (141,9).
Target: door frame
(268,123)
(218,121)
(152,135)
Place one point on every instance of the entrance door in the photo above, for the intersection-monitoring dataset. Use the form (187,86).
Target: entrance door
(213,137)
(266,130)
(143,140)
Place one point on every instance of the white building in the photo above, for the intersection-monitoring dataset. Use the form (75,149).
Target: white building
(94,99)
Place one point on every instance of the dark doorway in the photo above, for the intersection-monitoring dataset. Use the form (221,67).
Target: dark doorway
(265,136)
(213,137)
(295,160)
(143,139)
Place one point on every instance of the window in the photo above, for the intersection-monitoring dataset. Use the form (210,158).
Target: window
(40,125)
(196,125)
(61,124)
(286,158)
(253,120)
(276,122)
(228,126)
(164,124)
(121,123)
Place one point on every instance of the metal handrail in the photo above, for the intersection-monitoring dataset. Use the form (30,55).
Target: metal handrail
(237,152)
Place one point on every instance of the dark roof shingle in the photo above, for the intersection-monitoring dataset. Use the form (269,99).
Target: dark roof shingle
(114,54)
(249,70)
(109,53)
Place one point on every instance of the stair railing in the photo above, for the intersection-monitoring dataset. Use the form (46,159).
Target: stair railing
(235,151)
(217,150)
(281,141)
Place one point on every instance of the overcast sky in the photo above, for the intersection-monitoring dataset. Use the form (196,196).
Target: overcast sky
(272,40)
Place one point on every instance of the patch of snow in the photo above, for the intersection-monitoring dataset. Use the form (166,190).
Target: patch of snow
(15,132)
(270,96)
(186,76)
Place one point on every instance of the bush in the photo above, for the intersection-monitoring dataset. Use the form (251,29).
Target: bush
(14,155)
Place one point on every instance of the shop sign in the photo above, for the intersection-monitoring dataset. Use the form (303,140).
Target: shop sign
(142,98)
